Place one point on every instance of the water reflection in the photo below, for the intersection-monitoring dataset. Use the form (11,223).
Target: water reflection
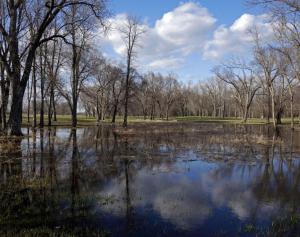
(159,180)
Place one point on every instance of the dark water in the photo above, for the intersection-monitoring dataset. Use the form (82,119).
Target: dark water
(157,180)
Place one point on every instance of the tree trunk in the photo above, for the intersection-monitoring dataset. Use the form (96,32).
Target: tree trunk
(29,92)
(292,111)
(42,109)
(127,85)
(102,107)
(152,111)
(42,74)
(269,106)
(279,115)
(291,105)
(4,107)
(114,113)
(74,116)
(5,86)
(34,93)
(214,109)
(15,118)
(54,111)
(28,109)
(224,108)
(1,127)
(167,113)
(50,109)
(273,107)
(98,109)
(245,115)
(125,122)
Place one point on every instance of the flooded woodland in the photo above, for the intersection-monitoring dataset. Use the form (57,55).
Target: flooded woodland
(181,179)
(149,118)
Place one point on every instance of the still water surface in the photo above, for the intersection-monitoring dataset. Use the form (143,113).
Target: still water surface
(157,180)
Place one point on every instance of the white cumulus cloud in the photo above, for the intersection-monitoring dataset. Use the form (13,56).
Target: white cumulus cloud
(237,38)
(187,25)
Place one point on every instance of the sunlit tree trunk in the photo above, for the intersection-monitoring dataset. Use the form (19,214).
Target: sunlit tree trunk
(34,93)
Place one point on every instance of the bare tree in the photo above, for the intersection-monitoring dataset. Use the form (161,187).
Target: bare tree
(102,82)
(79,23)
(4,80)
(104,90)
(279,7)
(290,58)
(155,87)
(5,88)
(117,87)
(286,15)
(243,80)
(289,83)
(170,92)
(269,70)
(34,80)
(214,89)
(43,53)
(131,32)
(54,63)
(144,96)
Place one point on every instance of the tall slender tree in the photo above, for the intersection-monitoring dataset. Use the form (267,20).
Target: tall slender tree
(131,32)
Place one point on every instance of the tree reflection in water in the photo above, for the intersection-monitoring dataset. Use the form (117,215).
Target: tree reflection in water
(158,180)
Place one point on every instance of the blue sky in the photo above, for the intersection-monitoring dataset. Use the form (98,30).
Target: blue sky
(226,11)
(188,38)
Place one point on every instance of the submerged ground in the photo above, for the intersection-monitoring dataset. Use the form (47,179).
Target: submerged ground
(181,179)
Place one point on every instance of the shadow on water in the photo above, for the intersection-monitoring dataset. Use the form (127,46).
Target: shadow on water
(157,180)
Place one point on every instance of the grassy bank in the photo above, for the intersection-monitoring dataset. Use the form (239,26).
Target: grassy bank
(220,120)
(231,120)
(66,120)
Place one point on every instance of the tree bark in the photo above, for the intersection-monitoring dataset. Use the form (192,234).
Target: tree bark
(167,113)
(114,113)
(245,115)
(42,78)
(291,105)
(98,109)
(273,106)
(125,122)
(54,111)
(269,106)
(34,93)
(292,111)
(51,102)
(74,116)
(5,85)
(279,115)
(28,103)
(15,118)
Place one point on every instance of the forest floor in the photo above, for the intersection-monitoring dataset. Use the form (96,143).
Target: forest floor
(66,120)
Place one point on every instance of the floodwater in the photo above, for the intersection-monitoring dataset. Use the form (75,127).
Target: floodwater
(156,180)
